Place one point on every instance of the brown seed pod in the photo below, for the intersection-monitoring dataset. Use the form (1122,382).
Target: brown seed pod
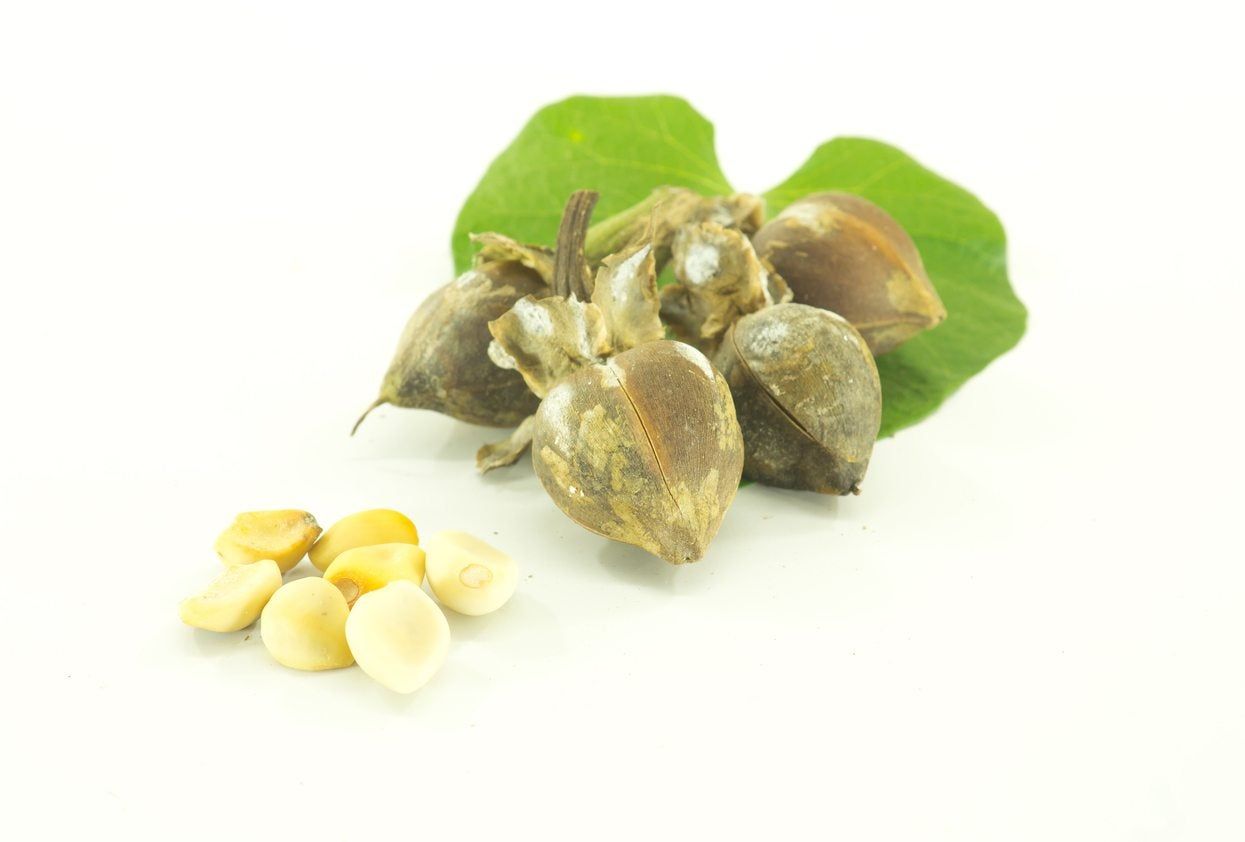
(807,396)
(644,449)
(442,360)
(845,254)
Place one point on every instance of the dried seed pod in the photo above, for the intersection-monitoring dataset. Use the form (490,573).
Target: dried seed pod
(442,359)
(644,449)
(807,395)
(845,254)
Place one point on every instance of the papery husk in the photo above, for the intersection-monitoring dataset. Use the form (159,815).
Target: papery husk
(720,278)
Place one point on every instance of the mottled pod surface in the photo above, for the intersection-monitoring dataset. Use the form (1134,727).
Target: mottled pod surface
(643,449)
(845,254)
(807,396)
(442,359)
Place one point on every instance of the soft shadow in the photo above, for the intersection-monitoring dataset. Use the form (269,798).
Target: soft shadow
(521,622)
(216,645)
(636,567)
(774,499)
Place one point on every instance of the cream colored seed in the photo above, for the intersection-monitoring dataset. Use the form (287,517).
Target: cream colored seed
(398,635)
(364,569)
(304,626)
(235,599)
(363,529)
(468,575)
(284,536)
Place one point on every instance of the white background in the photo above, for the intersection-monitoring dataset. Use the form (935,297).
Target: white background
(214,220)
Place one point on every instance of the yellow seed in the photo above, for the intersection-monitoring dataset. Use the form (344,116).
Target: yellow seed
(363,529)
(364,569)
(399,636)
(283,536)
(304,626)
(468,575)
(235,599)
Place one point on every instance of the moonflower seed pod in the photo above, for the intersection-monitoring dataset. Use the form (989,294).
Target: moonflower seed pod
(845,254)
(643,448)
(807,395)
(442,359)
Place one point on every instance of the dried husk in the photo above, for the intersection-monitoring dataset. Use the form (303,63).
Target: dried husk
(657,219)
(807,396)
(644,449)
(546,339)
(498,248)
(843,253)
(625,291)
(442,362)
(720,279)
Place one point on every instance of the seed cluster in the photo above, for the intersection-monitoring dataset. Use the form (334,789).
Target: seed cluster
(368,607)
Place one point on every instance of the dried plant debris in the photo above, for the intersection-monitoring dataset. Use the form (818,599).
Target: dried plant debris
(720,279)
(625,291)
(658,218)
(498,248)
(546,339)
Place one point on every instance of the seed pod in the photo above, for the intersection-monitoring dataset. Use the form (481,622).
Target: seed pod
(845,254)
(643,448)
(442,359)
(807,395)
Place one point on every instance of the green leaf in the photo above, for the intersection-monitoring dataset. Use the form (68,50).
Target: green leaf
(622,147)
(625,147)
(965,253)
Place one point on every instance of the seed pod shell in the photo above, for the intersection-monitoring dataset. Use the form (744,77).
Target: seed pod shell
(845,254)
(807,396)
(442,362)
(644,449)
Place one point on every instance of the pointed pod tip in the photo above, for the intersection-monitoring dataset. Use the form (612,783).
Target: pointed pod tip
(378,402)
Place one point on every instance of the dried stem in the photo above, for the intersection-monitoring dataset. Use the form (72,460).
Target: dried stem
(570,269)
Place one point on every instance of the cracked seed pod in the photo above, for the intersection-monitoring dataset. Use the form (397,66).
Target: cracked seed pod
(720,278)
(658,217)
(845,254)
(807,395)
(644,449)
(442,359)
